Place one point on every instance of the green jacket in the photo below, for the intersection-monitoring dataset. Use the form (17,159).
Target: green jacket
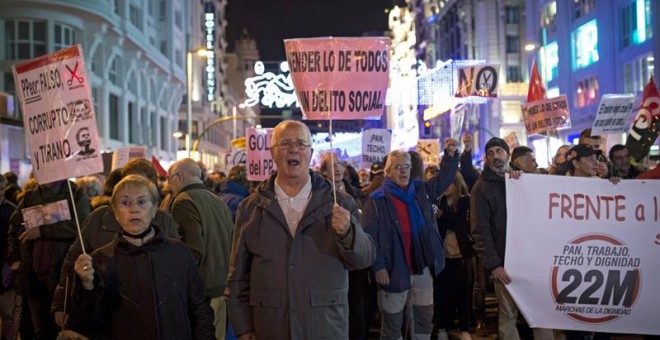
(205,224)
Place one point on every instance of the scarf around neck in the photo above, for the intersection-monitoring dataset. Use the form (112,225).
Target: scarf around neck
(408,195)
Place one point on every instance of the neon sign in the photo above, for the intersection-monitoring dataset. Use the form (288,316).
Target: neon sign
(270,89)
(209,24)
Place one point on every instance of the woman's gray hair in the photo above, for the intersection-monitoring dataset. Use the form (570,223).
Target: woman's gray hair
(136,181)
(395,154)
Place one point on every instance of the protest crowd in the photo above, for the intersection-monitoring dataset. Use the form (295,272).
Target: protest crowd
(406,250)
(411,245)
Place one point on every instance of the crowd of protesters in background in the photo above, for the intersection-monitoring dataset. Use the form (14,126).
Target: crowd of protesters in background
(423,243)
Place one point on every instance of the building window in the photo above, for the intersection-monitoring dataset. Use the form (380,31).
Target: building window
(585,45)
(512,44)
(178,57)
(512,14)
(153,135)
(587,92)
(548,16)
(64,37)
(113,110)
(115,6)
(135,15)
(113,72)
(635,23)
(24,39)
(513,74)
(132,122)
(178,19)
(582,7)
(637,73)
(163,134)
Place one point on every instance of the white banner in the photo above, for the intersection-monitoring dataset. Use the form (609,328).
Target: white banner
(376,144)
(58,115)
(121,156)
(614,114)
(260,163)
(583,253)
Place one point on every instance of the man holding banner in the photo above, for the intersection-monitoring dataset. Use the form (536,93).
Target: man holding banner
(488,223)
(292,248)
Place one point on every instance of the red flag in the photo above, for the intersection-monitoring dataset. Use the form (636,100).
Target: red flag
(536,90)
(646,127)
(159,168)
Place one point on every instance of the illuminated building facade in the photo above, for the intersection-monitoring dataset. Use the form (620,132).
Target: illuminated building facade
(135,55)
(491,32)
(210,85)
(588,48)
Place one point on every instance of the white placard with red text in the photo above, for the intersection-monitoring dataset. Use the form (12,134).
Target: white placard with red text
(260,163)
(58,115)
(583,253)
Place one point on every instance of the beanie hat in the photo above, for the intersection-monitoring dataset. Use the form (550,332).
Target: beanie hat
(498,142)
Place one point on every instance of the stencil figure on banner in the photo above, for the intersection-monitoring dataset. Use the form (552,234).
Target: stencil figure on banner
(100,228)
(59,118)
(488,226)
(293,245)
(41,230)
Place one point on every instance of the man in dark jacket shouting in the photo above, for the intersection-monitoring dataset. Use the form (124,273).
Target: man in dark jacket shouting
(292,248)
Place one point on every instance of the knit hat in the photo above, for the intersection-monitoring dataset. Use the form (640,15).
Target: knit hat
(498,142)
(520,151)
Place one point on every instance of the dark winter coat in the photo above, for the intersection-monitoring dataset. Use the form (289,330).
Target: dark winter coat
(100,228)
(148,292)
(282,287)
(488,218)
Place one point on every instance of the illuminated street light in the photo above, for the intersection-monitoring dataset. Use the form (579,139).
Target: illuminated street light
(530,47)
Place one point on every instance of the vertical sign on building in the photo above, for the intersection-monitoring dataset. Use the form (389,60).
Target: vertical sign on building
(209,27)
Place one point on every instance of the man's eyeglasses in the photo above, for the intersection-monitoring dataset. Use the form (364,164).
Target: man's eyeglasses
(402,166)
(288,144)
(170,177)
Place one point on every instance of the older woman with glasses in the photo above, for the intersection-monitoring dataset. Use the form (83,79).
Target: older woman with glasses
(400,219)
(142,285)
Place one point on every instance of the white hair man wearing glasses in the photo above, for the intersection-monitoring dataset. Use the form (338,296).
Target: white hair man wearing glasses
(292,249)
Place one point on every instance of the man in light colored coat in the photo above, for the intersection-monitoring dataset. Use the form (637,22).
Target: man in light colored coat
(206,227)
(293,247)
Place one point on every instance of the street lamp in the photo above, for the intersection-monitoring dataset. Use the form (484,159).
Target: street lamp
(202,52)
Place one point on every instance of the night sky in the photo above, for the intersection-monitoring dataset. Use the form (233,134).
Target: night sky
(271,21)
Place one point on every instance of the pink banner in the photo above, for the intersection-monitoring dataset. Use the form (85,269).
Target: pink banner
(339,78)
(260,163)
